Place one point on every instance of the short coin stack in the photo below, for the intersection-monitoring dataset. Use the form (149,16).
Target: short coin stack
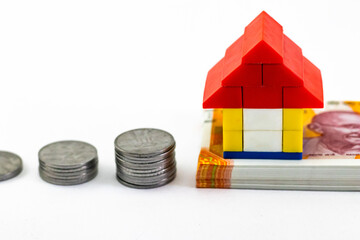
(10,165)
(145,158)
(68,162)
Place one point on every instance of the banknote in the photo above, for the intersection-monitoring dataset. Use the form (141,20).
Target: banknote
(331,149)
(333,132)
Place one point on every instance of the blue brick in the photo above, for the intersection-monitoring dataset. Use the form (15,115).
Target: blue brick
(263,155)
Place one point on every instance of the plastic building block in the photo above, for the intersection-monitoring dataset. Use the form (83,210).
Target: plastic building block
(262,97)
(290,72)
(237,74)
(263,119)
(262,141)
(263,69)
(233,119)
(293,119)
(263,41)
(233,99)
(293,141)
(232,140)
(216,96)
(263,155)
(308,96)
(245,75)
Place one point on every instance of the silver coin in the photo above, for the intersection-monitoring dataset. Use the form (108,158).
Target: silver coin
(144,142)
(69,177)
(145,176)
(145,166)
(159,184)
(145,159)
(10,165)
(68,162)
(69,170)
(146,173)
(146,180)
(67,174)
(67,154)
(68,182)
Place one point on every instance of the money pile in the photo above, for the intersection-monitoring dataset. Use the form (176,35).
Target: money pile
(145,158)
(10,165)
(330,157)
(68,162)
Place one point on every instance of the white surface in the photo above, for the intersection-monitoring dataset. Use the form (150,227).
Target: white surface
(90,70)
(262,141)
(262,119)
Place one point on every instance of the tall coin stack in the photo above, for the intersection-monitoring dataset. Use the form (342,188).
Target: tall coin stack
(68,162)
(145,158)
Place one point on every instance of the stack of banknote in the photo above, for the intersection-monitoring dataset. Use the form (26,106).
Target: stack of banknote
(331,155)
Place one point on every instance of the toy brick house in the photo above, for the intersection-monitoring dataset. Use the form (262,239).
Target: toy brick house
(263,84)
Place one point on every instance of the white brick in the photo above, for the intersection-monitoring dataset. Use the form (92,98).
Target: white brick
(263,141)
(262,119)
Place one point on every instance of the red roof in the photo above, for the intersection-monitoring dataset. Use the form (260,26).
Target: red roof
(263,69)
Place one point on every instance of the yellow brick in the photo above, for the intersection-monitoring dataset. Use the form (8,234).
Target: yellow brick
(293,119)
(232,141)
(293,141)
(232,119)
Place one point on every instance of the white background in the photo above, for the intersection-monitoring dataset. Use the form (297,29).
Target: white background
(90,70)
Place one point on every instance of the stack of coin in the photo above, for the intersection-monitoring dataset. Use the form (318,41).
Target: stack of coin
(145,158)
(68,162)
(10,165)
